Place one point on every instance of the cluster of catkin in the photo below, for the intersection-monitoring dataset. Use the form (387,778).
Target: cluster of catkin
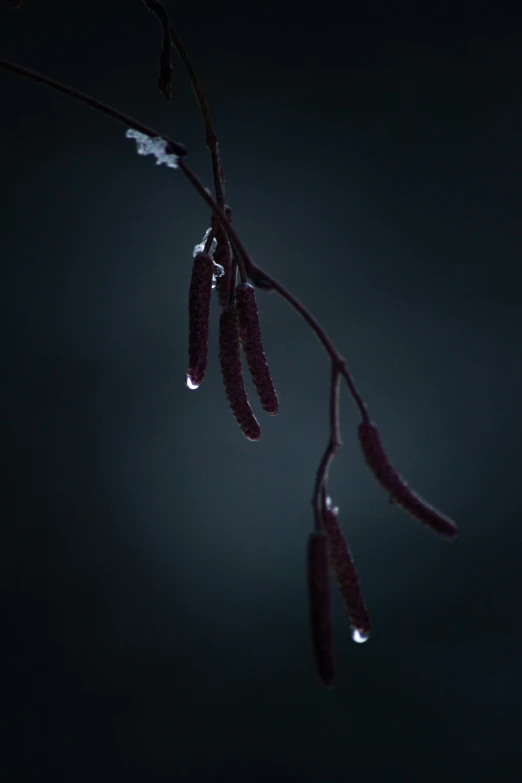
(238,326)
(215,266)
(327,550)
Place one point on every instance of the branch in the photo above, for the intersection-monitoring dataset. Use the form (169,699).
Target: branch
(174,146)
(334,444)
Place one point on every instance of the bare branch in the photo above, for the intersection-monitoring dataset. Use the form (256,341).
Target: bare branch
(174,146)
(166,70)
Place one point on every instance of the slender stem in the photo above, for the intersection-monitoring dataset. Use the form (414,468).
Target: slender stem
(243,257)
(174,146)
(334,444)
(211,138)
(323,339)
(158,9)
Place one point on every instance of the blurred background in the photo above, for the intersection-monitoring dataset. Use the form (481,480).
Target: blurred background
(156,620)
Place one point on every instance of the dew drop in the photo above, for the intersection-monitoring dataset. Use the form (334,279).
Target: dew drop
(219,271)
(360,636)
(190,383)
(330,506)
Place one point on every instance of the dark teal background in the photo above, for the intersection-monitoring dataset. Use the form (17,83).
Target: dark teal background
(156,620)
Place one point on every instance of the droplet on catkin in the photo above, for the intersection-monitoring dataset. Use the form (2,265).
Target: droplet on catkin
(189,383)
(360,636)
(217,273)
(200,293)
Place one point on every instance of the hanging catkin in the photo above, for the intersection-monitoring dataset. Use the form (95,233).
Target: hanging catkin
(342,565)
(250,334)
(320,609)
(398,490)
(200,292)
(230,360)
(223,257)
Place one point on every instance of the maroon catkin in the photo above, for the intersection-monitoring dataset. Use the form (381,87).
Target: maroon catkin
(230,360)
(200,292)
(342,565)
(399,491)
(250,334)
(320,605)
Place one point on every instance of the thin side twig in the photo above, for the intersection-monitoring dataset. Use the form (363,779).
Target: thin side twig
(334,444)
(211,138)
(166,70)
(174,146)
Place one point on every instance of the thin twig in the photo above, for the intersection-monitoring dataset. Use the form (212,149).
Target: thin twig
(174,146)
(211,138)
(334,444)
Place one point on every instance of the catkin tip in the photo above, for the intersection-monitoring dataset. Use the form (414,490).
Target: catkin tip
(341,562)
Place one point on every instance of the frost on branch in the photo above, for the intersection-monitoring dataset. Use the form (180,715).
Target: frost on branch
(153,146)
(218,270)
(200,248)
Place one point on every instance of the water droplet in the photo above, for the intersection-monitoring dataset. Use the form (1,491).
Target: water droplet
(190,383)
(200,248)
(330,506)
(360,636)
(219,271)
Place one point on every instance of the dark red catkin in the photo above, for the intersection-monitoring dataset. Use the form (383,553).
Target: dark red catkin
(341,563)
(200,292)
(399,491)
(320,607)
(250,334)
(230,360)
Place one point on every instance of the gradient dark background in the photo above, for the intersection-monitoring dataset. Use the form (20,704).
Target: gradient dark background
(156,617)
